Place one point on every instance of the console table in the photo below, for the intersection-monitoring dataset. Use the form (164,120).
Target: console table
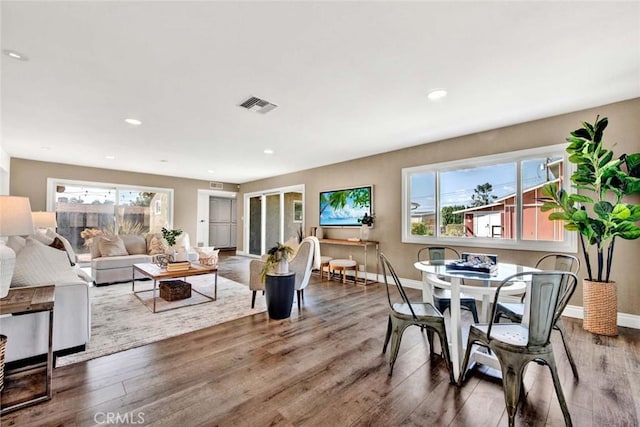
(19,388)
(364,244)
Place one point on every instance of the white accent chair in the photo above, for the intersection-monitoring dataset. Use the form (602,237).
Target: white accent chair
(301,264)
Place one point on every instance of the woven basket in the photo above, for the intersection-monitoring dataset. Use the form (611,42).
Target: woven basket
(600,302)
(3,345)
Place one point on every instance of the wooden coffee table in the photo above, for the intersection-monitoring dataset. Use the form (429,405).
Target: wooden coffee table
(156,273)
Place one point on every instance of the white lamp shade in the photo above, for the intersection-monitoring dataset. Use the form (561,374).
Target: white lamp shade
(15,216)
(15,220)
(44,219)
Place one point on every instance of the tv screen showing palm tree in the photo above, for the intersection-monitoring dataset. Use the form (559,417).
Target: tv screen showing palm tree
(346,207)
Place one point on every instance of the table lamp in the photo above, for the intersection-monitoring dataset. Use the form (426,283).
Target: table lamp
(15,220)
(44,220)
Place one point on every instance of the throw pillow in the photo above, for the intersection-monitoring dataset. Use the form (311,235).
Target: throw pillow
(113,246)
(16,243)
(38,264)
(42,238)
(134,243)
(67,245)
(182,242)
(58,244)
(157,245)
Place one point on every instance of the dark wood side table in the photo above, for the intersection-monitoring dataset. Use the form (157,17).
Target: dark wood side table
(31,299)
(279,290)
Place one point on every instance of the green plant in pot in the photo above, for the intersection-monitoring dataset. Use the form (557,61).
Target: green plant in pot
(170,236)
(277,260)
(599,215)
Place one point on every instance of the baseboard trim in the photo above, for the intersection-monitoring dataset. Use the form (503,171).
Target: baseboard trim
(575,311)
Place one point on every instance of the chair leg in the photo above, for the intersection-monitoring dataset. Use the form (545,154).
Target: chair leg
(474,311)
(388,335)
(463,368)
(253,299)
(560,327)
(396,337)
(299,297)
(442,334)
(512,372)
(550,361)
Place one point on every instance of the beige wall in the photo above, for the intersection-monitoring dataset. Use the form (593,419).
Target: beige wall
(29,179)
(384,172)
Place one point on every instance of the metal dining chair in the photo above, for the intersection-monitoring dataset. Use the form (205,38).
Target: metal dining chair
(442,297)
(514,310)
(404,313)
(517,344)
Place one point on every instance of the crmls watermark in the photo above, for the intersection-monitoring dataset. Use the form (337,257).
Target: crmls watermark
(115,418)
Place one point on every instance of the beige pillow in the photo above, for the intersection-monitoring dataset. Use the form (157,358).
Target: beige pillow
(42,238)
(134,243)
(157,245)
(113,246)
(182,242)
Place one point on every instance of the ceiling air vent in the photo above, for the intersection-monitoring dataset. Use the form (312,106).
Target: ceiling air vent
(258,105)
(216,186)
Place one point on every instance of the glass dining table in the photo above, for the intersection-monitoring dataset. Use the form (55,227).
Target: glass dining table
(483,289)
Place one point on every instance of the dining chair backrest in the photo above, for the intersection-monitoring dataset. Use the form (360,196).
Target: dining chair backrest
(437,254)
(387,269)
(559,262)
(549,292)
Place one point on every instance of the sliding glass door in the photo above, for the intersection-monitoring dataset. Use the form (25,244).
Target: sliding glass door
(107,209)
(274,216)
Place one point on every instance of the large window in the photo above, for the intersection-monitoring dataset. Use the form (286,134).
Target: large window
(107,208)
(492,201)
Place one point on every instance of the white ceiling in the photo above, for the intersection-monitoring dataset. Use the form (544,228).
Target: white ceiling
(350,78)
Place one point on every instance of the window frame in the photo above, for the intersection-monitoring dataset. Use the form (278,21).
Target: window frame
(53,182)
(569,244)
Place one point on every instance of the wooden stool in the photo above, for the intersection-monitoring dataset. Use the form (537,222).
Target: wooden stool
(324,262)
(343,265)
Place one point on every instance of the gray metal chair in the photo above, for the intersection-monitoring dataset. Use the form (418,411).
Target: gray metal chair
(404,313)
(517,344)
(513,311)
(442,297)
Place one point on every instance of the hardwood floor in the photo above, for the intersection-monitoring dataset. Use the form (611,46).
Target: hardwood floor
(324,367)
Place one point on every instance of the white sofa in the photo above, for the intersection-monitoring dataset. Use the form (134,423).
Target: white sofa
(109,267)
(27,335)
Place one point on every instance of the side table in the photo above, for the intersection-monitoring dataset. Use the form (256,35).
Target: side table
(31,299)
(279,290)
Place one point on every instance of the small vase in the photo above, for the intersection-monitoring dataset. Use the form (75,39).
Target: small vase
(282,267)
(364,233)
(319,233)
(170,252)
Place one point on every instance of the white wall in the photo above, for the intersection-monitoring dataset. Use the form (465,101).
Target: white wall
(5,165)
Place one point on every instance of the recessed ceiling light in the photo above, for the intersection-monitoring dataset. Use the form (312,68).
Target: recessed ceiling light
(15,55)
(210,171)
(268,151)
(110,157)
(437,94)
(164,161)
(45,148)
(134,122)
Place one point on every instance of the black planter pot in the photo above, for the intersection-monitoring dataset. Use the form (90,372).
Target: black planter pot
(279,289)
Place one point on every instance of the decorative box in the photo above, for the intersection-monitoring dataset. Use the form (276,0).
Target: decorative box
(173,290)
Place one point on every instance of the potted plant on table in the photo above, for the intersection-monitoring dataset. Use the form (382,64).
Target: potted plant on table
(599,218)
(277,260)
(366,221)
(170,236)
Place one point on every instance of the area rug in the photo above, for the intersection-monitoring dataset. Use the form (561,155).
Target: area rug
(120,321)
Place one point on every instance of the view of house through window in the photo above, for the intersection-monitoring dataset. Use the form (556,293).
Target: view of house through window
(497,199)
(83,211)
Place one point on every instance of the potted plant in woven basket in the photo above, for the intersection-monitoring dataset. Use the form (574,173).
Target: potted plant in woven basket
(599,215)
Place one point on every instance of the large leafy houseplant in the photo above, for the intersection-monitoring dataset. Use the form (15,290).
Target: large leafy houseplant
(598,213)
(601,217)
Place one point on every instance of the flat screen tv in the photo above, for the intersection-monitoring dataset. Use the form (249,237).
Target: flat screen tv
(345,207)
